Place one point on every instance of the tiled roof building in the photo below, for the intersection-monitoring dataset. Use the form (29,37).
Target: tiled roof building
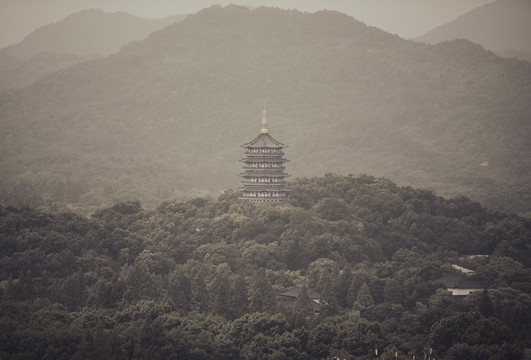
(288,298)
(458,285)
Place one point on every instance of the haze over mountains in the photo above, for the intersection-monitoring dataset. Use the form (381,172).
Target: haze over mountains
(407,18)
(502,26)
(168,113)
(78,37)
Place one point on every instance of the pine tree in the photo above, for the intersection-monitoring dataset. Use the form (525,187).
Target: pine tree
(485,307)
(342,289)
(262,296)
(180,291)
(364,298)
(220,295)
(329,304)
(240,299)
(200,298)
(303,304)
(393,292)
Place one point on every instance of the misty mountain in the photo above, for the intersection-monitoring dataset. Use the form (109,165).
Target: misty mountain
(78,37)
(167,114)
(16,73)
(502,26)
(88,32)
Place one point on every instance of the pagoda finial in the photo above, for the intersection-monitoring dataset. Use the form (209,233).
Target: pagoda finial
(264,120)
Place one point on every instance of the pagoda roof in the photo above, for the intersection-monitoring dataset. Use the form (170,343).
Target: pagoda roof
(294,292)
(264,140)
(457,282)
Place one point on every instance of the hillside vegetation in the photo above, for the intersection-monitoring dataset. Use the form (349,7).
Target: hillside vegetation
(167,114)
(83,35)
(501,26)
(198,279)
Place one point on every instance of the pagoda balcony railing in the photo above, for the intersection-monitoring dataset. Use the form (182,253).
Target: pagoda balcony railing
(263,185)
(263,177)
(265,195)
(261,172)
(254,154)
(264,172)
(245,189)
(263,151)
(277,180)
(267,200)
(248,167)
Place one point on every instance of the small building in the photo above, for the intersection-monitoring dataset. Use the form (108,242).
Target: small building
(458,285)
(288,298)
(463,269)
(264,176)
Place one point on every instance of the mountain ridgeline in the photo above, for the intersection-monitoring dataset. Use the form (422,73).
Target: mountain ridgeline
(501,26)
(87,32)
(80,36)
(167,114)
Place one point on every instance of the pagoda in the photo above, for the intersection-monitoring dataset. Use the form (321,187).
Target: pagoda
(264,176)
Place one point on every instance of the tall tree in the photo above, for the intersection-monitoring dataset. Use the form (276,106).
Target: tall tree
(484,306)
(180,290)
(239,303)
(261,294)
(220,293)
(364,298)
(328,302)
(303,304)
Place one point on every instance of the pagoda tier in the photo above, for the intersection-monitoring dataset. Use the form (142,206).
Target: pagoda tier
(264,176)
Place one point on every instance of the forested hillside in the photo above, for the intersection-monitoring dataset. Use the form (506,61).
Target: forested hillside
(167,114)
(501,26)
(80,36)
(198,279)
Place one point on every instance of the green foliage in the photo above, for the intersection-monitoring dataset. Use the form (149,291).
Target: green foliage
(261,294)
(364,299)
(303,305)
(199,278)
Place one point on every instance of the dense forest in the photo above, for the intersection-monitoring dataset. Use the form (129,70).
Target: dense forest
(166,115)
(197,279)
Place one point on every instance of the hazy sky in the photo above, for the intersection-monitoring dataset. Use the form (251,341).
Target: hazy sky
(407,18)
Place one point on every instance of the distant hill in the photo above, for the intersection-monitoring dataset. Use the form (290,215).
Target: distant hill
(88,32)
(167,114)
(502,26)
(16,73)
(78,37)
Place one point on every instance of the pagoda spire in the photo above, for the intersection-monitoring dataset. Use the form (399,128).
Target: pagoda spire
(264,120)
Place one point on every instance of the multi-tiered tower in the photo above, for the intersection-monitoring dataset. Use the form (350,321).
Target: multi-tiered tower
(264,176)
